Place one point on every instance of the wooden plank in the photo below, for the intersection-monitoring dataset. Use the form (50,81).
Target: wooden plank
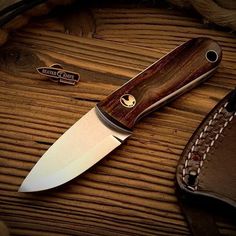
(131,191)
(149,24)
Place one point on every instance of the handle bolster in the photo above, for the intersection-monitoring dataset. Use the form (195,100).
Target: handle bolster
(110,121)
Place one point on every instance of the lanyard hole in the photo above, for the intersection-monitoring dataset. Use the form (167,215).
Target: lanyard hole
(212,56)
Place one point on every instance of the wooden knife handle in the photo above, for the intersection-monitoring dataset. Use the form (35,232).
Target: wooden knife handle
(178,71)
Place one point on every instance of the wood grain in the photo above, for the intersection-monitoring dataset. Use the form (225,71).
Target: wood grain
(161,82)
(131,191)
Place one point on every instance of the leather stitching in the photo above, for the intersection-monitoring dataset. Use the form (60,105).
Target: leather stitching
(204,136)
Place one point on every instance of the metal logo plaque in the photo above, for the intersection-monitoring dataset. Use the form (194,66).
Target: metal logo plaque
(56,73)
(128,100)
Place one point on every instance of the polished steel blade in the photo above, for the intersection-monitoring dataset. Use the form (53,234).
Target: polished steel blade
(79,148)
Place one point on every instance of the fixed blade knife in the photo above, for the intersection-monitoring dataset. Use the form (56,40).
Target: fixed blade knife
(107,125)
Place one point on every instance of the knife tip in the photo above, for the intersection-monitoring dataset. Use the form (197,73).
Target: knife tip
(21,189)
(27,187)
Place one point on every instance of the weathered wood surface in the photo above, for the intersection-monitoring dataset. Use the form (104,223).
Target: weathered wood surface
(131,191)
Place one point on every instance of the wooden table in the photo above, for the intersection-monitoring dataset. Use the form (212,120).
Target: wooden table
(131,191)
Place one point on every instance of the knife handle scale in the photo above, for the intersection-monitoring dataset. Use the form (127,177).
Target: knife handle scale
(172,75)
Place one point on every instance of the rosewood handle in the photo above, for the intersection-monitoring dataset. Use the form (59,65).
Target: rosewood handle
(178,71)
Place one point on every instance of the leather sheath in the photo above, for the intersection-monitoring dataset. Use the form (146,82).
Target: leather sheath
(207,167)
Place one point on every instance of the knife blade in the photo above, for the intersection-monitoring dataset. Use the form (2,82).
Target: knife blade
(107,125)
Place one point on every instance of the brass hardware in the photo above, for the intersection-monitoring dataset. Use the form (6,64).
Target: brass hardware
(128,100)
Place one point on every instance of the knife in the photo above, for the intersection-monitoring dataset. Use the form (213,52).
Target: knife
(107,125)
